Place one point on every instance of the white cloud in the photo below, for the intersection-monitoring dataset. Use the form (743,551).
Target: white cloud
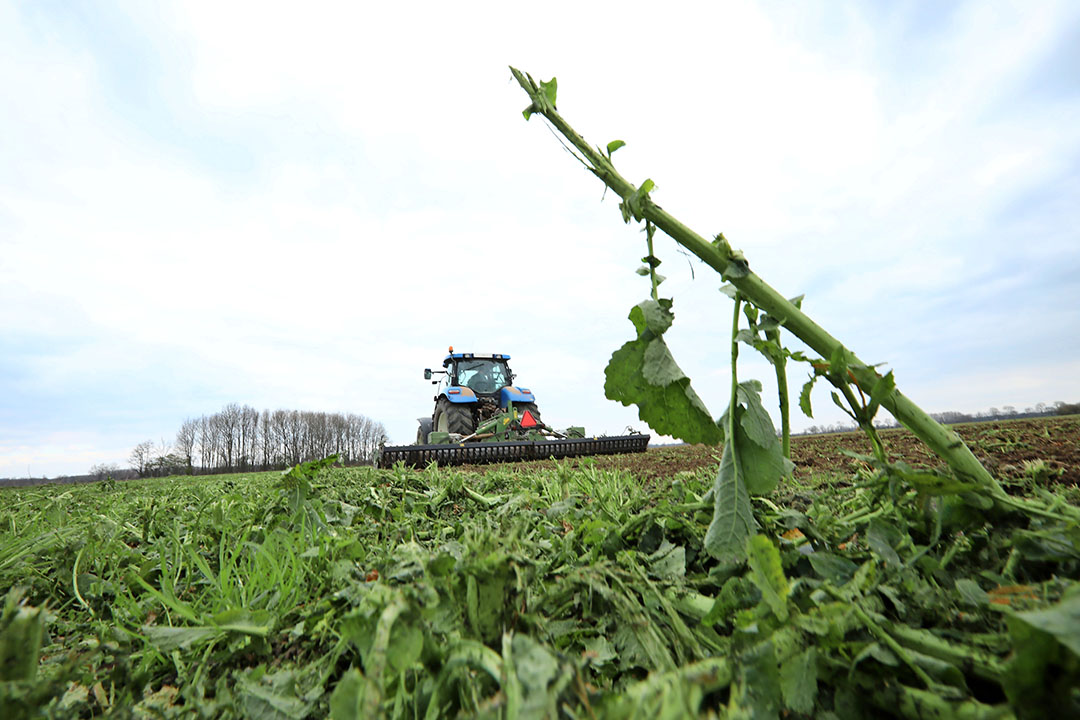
(308,206)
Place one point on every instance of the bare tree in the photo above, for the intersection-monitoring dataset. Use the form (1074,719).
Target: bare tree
(141,456)
(185,442)
(103,471)
(240,438)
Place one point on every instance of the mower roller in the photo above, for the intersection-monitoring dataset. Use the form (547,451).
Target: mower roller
(480,416)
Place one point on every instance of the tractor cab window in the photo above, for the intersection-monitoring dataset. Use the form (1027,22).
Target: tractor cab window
(483,376)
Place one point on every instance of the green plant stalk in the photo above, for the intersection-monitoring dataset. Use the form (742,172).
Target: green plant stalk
(880,633)
(982,663)
(917,704)
(730,430)
(75,581)
(721,257)
(377,663)
(780,365)
(858,413)
(650,230)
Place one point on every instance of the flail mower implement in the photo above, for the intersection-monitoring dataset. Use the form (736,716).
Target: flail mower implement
(480,416)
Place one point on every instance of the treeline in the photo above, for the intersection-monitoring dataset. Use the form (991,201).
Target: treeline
(241,438)
(951,417)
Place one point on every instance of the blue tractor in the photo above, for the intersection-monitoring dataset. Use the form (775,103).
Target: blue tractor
(481,416)
(475,388)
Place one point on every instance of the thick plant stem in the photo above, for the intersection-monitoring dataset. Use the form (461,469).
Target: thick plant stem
(649,230)
(780,365)
(730,429)
(721,257)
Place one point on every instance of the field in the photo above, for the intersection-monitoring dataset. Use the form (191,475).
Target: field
(1002,446)
(575,589)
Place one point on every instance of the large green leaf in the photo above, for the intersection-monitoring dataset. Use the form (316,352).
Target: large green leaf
(643,372)
(271,696)
(1062,621)
(733,518)
(760,466)
(1044,670)
(347,700)
(755,420)
(654,315)
(883,539)
(837,570)
(167,639)
(761,456)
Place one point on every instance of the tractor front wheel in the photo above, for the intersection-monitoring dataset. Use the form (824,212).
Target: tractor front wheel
(453,418)
(422,431)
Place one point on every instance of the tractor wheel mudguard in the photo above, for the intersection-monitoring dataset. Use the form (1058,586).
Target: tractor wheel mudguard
(515,395)
(459,395)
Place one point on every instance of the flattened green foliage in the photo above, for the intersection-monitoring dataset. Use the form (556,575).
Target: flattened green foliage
(528,593)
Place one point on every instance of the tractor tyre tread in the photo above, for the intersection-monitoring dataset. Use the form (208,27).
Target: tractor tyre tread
(459,417)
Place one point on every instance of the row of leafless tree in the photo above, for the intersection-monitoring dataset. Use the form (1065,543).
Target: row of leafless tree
(952,417)
(240,438)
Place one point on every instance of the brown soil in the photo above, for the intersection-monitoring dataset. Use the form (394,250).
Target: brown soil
(1002,446)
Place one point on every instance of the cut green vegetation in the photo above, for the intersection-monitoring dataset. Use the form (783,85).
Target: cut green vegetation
(551,590)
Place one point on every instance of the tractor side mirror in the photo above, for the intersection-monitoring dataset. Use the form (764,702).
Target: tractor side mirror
(427,374)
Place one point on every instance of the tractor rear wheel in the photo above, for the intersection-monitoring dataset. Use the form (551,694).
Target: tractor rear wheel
(453,418)
(531,407)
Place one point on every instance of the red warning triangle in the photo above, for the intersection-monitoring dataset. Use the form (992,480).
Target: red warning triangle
(527,420)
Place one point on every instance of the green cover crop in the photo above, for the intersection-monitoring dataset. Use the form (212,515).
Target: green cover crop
(551,590)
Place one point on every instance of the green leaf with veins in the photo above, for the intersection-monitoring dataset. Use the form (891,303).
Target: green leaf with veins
(733,518)
(347,700)
(756,420)
(643,372)
(883,388)
(652,315)
(1044,670)
(767,573)
(659,367)
(762,468)
(761,458)
(804,396)
(761,465)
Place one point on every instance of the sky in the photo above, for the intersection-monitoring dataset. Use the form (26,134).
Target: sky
(302,206)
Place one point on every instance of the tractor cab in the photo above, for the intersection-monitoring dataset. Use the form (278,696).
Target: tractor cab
(484,375)
(483,378)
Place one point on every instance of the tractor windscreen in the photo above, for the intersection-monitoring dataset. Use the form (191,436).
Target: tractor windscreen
(483,376)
